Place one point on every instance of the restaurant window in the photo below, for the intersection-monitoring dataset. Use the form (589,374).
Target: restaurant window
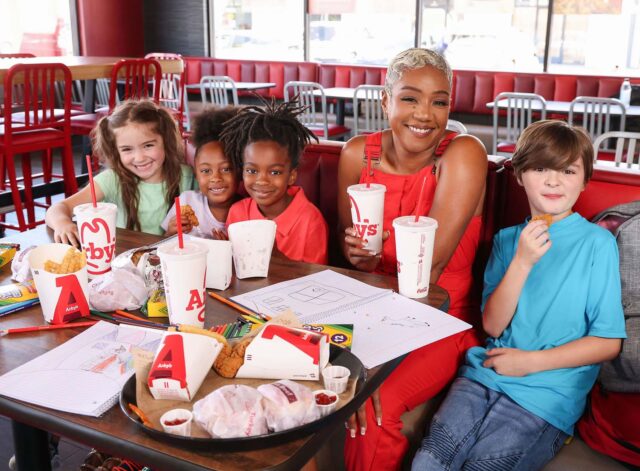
(47,33)
(595,36)
(258,29)
(360,31)
(486,34)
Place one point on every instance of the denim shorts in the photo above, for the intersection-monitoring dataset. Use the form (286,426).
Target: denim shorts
(477,428)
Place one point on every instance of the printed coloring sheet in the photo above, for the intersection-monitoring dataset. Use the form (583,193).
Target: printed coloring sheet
(386,325)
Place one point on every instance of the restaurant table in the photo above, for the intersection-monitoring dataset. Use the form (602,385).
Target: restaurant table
(116,434)
(341,95)
(562,107)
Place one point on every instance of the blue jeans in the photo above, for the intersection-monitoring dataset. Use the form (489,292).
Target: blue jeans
(477,428)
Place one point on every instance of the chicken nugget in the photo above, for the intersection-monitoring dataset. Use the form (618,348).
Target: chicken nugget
(188,215)
(52,267)
(548,218)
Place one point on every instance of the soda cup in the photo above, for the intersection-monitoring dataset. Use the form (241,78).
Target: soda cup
(184,273)
(367,213)
(97,230)
(251,244)
(414,250)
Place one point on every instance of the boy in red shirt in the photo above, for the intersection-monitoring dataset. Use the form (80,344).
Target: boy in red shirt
(267,143)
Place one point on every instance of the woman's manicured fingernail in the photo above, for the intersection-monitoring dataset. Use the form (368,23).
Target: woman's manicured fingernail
(363,430)
(352,432)
(346,425)
(379,420)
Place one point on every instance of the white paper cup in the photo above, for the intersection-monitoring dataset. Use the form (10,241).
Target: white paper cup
(251,244)
(335,378)
(184,416)
(326,409)
(219,262)
(62,297)
(414,250)
(184,276)
(367,213)
(97,230)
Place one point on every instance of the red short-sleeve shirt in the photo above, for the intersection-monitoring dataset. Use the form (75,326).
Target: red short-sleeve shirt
(301,231)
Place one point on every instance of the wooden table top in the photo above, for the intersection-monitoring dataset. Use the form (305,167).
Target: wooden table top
(84,67)
(116,434)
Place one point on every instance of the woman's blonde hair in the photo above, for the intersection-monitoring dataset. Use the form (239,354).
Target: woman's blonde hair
(415,58)
(161,123)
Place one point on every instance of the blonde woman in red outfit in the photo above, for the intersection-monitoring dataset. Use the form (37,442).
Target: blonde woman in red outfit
(416,100)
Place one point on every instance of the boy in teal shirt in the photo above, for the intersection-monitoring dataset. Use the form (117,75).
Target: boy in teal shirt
(552,310)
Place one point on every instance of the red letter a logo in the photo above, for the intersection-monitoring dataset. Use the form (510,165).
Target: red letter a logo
(71,302)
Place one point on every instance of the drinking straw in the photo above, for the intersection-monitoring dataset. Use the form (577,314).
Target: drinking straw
(419,203)
(91,184)
(179,223)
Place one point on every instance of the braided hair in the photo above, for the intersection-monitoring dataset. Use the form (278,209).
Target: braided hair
(272,121)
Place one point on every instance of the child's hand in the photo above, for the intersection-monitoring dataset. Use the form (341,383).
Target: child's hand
(359,257)
(533,244)
(67,233)
(172,227)
(510,361)
(218,234)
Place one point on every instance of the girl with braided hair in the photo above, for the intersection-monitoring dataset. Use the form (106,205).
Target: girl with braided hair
(267,142)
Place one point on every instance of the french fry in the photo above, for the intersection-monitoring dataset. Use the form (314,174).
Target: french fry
(72,262)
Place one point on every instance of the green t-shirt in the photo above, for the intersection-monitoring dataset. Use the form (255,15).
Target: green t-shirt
(152,206)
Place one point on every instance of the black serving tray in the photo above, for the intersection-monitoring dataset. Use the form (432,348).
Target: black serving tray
(338,356)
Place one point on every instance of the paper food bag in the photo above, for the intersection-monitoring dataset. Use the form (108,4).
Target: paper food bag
(280,352)
(181,364)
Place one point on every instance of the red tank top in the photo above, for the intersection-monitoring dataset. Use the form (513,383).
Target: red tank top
(400,199)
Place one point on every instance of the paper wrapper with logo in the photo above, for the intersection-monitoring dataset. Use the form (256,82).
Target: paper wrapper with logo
(63,296)
(367,213)
(97,230)
(181,364)
(280,352)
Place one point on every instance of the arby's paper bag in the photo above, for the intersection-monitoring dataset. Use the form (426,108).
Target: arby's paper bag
(281,352)
(181,364)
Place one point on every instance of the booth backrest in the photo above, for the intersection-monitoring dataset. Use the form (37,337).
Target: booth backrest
(350,76)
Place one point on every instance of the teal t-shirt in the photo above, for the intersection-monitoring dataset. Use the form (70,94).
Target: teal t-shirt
(572,292)
(152,207)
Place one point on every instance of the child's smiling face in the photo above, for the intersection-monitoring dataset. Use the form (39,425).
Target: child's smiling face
(141,151)
(267,174)
(215,175)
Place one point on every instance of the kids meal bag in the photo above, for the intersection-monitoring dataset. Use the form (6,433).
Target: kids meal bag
(622,374)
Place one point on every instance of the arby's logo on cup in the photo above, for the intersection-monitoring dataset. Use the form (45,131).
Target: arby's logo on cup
(100,245)
(197,300)
(362,225)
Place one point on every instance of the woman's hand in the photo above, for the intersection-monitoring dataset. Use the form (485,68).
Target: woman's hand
(358,256)
(67,233)
(510,361)
(358,421)
(533,243)
(172,227)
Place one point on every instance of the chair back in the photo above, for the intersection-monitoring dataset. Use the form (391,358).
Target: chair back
(137,78)
(456,126)
(215,89)
(172,92)
(309,95)
(522,109)
(37,83)
(626,151)
(368,115)
(595,113)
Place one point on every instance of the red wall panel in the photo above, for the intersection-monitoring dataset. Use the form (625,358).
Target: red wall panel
(111,28)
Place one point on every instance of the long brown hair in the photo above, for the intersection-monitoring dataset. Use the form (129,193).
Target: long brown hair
(161,123)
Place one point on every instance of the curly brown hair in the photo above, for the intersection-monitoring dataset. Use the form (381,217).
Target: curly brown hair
(161,123)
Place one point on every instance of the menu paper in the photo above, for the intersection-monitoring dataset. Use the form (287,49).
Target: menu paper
(386,325)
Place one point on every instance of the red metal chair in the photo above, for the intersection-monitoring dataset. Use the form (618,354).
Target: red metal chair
(40,131)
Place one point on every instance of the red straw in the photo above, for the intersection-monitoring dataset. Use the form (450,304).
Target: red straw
(368,179)
(179,223)
(419,203)
(91,184)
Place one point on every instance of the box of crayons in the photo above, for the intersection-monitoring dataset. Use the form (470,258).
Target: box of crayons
(233,330)
(340,335)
